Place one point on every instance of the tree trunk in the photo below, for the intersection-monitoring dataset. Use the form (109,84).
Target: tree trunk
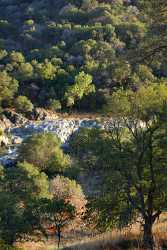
(59,237)
(148,239)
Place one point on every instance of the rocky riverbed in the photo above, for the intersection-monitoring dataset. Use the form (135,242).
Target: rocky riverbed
(64,128)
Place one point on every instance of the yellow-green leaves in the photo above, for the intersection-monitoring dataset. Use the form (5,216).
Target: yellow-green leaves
(82,86)
(8,86)
(143,104)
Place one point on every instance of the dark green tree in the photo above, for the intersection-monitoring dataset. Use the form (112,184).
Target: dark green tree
(130,159)
(8,86)
(20,188)
(138,152)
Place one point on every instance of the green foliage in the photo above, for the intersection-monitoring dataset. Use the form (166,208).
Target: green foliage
(58,213)
(1,132)
(25,71)
(17,57)
(94,52)
(144,104)
(130,159)
(87,145)
(21,188)
(32,183)
(23,105)
(30,202)
(89,47)
(3,54)
(8,247)
(8,86)
(54,105)
(29,22)
(82,86)
(133,158)
(43,150)
(46,70)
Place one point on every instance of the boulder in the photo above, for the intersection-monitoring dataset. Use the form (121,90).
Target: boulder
(5,123)
(41,114)
(15,118)
(17,140)
(4,141)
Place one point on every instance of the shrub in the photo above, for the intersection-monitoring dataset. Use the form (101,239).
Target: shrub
(17,57)
(23,104)
(43,150)
(54,105)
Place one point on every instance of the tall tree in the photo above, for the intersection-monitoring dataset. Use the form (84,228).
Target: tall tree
(131,160)
(138,152)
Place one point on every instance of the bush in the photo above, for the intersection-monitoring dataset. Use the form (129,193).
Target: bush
(43,150)
(17,57)
(23,105)
(54,105)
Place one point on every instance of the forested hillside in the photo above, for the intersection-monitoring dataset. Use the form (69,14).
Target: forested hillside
(73,53)
(83,124)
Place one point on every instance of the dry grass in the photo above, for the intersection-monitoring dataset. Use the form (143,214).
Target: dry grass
(160,231)
(129,238)
(116,240)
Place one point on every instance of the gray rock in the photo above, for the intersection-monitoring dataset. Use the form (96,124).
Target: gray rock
(40,114)
(5,123)
(15,118)
(4,141)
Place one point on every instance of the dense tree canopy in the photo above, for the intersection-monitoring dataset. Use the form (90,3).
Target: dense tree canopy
(103,56)
(115,43)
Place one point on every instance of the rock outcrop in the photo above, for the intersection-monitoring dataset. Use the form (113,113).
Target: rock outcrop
(15,119)
(40,114)
(4,140)
(5,123)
